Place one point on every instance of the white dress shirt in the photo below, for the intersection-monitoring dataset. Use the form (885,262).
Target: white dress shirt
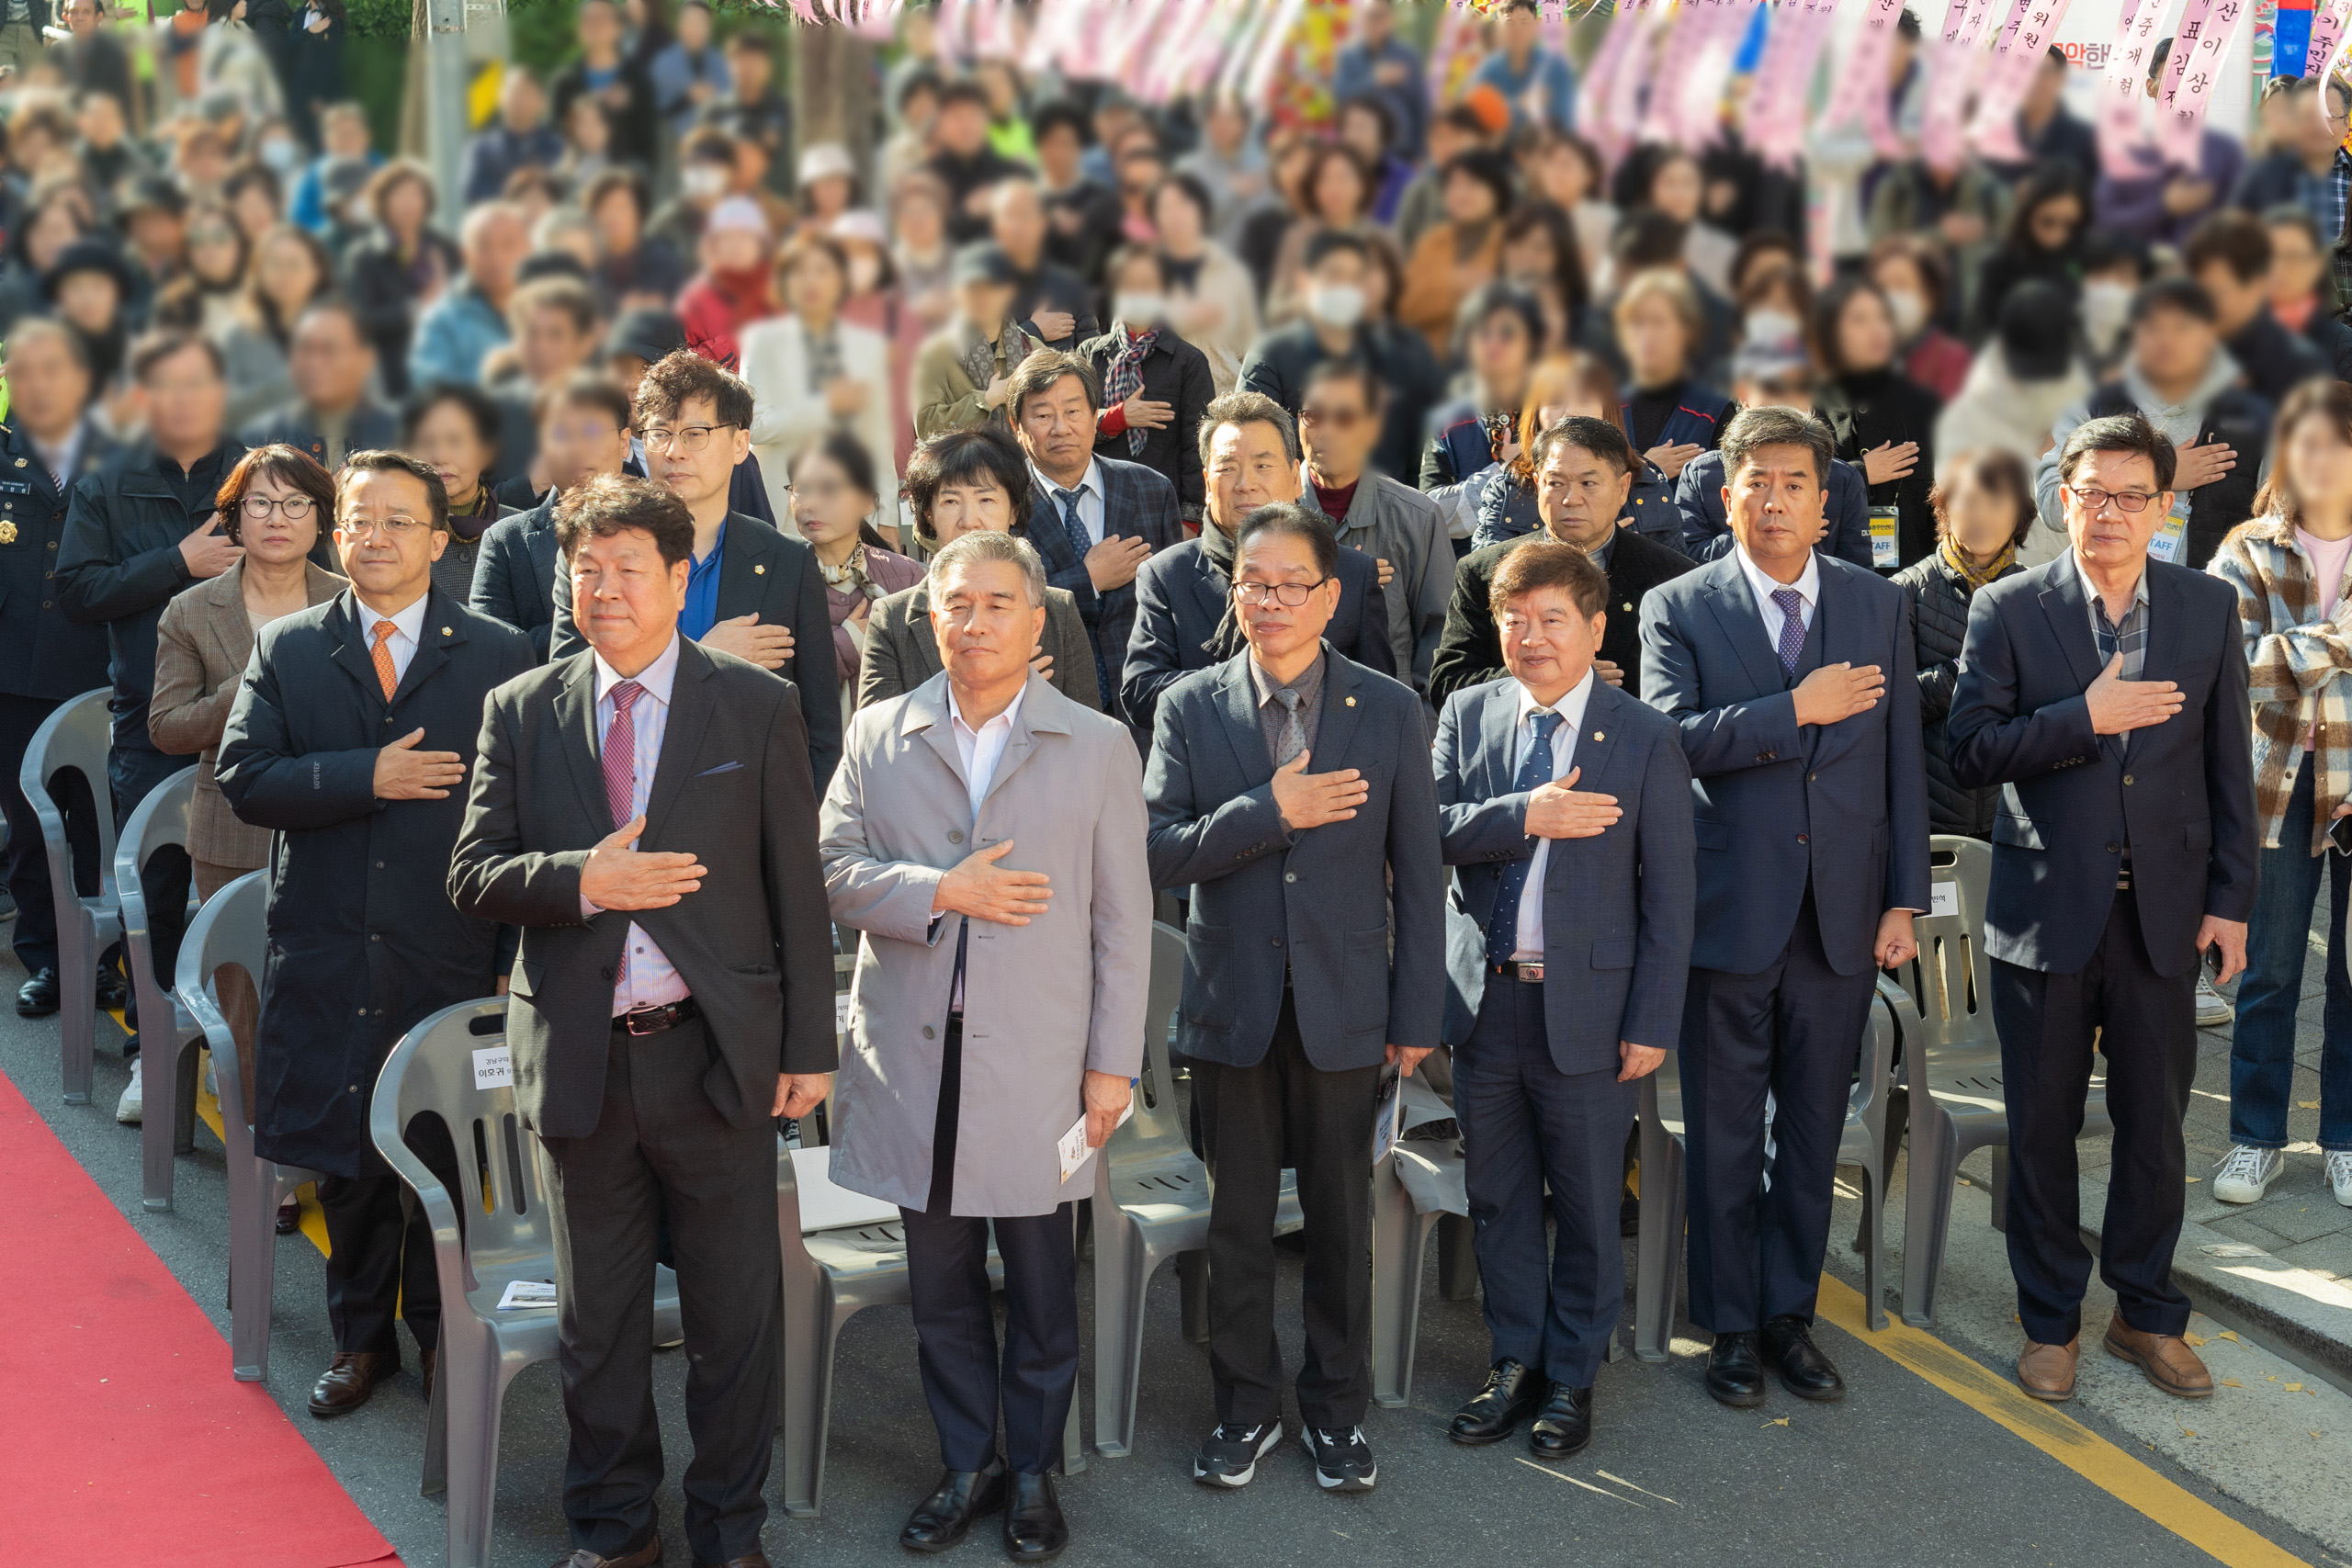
(1563,756)
(647,978)
(1808,587)
(1090,499)
(408,627)
(980,750)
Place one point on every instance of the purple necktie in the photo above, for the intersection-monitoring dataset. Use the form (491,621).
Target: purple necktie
(1791,604)
(620,775)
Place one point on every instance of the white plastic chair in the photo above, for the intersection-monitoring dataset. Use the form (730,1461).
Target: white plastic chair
(1415,1189)
(166,1031)
(74,739)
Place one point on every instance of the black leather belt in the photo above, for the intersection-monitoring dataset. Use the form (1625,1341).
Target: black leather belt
(658,1020)
(1533,974)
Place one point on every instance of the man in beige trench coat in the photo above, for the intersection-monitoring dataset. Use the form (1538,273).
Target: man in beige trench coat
(987,835)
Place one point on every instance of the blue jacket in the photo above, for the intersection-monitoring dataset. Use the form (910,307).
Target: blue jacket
(495,154)
(1545,69)
(1408,100)
(454,336)
(1617,907)
(1706,530)
(1843,806)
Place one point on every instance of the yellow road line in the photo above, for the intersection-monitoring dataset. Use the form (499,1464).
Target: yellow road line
(2063,1439)
(314,1222)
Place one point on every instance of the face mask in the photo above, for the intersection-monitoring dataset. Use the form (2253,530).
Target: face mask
(1910,313)
(1770,326)
(280,154)
(1337,305)
(864,274)
(1140,309)
(2107,305)
(704,180)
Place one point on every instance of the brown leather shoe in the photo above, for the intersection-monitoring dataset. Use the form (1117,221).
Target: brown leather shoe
(645,1556)
(2170,1364)
(2047,1371)
(348,1382)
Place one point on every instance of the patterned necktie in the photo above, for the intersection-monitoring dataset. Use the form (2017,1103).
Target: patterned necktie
(1534,771)
(620,777)
(382,654)
(1076,529)
(1293,740)
(1791,604)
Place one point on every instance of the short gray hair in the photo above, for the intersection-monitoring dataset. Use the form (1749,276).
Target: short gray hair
(1247,408)
(1774,427)
(986,545)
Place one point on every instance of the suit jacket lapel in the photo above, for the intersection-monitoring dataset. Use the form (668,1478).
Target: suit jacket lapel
(1338,725)
(2069,609)
(1734,609)
(926,711)
(1596,745)
(225,621)
(745,561)
(1497,721)
(690,710)
(1041,714)
(575,718)
(437,636)
(351,647)
(1237,699)
(2165,618)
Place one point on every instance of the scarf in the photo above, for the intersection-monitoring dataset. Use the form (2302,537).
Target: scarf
(1976,577)
(1124,378)
(978,362)
(1226,640)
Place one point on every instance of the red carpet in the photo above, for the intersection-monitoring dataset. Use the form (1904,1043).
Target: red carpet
(123,1437)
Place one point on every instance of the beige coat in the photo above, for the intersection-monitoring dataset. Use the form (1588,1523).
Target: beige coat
(1044,1003)
(202,646)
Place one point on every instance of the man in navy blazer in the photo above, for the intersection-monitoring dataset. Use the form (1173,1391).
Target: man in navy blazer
(2107,694)
(1762,380)
(1552,777)
(1185,615)
(1792,675)
(1315,954)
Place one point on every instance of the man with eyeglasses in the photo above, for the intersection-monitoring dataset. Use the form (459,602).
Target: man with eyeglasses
(351,739)
(751,592)
(1290,791)
(137,531)
(2107,690)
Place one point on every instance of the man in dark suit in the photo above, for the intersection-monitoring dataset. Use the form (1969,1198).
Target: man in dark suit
(331,416)
(348,739)
(1052,301)
(1584,468)
(644,810)
(1791,675)
(1566,808)
(751,592)
(45,658)
(583,434)
(137,531)
(2107,884)
(1184,615)
(1315,954)
(1094,521)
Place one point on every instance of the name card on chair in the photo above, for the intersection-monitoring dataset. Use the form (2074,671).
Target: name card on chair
(1943,898)
(494,1068)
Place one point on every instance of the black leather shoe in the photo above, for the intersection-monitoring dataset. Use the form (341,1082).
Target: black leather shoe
(1804,1370)
(1035,1530)
(946,1516)
(1735,1374)
(1512,1395)
(1563,1428)
(37,997)
(645,1556)
(113,990)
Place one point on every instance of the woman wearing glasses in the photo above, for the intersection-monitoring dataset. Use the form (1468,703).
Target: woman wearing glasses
(277,505)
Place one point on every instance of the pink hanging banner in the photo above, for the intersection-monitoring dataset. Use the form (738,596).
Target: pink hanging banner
(1671,56)
(1783,80)
(1860,94)
(1958,56)
(1593,106)
(2016,58)
(1705,74)
(2186,98)
(2327,36)
(2122,132)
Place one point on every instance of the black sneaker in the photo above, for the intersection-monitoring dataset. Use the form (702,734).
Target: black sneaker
(1231,1456)
(1342,1460)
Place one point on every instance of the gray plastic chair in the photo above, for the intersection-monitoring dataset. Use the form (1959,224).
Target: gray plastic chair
(167,1032)
(1953,1072)
(505,1237)
(1872,1125)
(74,739)
(1151,1203)
(232,929)
(830,1274)
(1417,1189)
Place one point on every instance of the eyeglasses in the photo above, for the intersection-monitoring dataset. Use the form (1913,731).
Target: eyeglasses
(1337,419)
(397,529)
(2125,500)
(1291,595)
(686,438)
(295,507)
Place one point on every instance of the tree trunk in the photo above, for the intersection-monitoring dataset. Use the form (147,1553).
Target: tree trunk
(835,69)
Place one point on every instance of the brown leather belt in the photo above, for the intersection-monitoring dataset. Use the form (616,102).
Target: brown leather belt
(1533,974)
(658,1020)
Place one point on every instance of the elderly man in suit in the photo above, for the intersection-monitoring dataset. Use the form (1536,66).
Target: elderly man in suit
(751,592)
(348,739)
(1000,999)
(962,482)
(1186,618)
(331,416)
(583,434)
(1789,673)
(2107,694)
(1093,520)
(1584,468)
(644,810)
(1566,809)
(1314,955)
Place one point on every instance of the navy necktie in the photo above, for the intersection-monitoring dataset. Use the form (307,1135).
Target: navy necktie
(1535,772)
(1079,539)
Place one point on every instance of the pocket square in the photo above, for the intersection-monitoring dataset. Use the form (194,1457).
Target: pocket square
(722,768)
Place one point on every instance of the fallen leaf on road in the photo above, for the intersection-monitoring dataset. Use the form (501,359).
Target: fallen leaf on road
(2192,1340)
(2230,1334)
(2308,1104)
(2232,1382)
(1784,1421)
(2194,1179)
(2294,1388)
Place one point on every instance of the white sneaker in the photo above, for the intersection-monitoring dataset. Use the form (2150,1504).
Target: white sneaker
(132,1106)
(2339,1175)
(2248,1172)
(2212,1008)
(212,1081)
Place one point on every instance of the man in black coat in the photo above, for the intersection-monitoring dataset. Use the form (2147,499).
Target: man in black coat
(2230,254)
(331,416)
(1155,385)
(138,530)
(751,592)
(1185,617)
(1290,790)
(2107,694)
(583,434)
(45,658)
(964,163)
(1584,468)
(350,739)
(1052,301)
(606,72)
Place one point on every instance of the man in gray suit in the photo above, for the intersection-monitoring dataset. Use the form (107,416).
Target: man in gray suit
(1000,1000)
(1567,807)
(1314,955)
(644,810)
